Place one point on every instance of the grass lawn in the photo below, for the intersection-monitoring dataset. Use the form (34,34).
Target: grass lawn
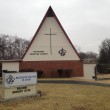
(63,97)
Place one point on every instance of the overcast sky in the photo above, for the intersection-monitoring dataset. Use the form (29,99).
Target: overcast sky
(87,22)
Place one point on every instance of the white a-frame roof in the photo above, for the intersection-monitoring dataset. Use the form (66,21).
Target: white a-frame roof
(50,42)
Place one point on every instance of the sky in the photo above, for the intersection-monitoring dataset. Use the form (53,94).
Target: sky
(86,22)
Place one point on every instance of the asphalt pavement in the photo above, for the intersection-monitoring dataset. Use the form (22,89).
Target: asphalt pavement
(73,82)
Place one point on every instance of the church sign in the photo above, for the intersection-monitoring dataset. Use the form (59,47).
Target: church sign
(19,84)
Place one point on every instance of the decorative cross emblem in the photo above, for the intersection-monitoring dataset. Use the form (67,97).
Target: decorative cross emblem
(10,79)
(62,52)
(50,34)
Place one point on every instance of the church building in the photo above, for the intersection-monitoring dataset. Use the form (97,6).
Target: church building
(51,53)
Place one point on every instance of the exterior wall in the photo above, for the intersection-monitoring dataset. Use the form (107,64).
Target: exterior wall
(10,66)
(40,49)
(50,67)
(89,70)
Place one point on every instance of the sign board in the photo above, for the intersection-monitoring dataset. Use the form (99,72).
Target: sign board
(19,79)
(19,84)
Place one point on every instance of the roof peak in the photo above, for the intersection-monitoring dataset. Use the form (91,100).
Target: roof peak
(50,12)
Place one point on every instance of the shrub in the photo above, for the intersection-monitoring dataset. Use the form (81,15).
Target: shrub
(68,72)
(103,68)
(39,73)
(60,72)
(0,74)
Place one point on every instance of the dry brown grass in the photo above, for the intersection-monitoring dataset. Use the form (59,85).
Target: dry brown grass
(63,97)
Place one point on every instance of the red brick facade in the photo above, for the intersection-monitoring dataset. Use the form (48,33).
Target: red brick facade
(50,68)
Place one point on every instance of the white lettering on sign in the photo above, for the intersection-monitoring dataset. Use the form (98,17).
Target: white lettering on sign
(17,79)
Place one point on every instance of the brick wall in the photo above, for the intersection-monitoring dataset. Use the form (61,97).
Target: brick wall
(50,67)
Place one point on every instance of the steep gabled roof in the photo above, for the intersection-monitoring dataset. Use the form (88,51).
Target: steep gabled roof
(50,13)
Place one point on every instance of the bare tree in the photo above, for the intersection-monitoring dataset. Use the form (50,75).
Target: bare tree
(88,57)
(12,47)
(3,46)
(20,46)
